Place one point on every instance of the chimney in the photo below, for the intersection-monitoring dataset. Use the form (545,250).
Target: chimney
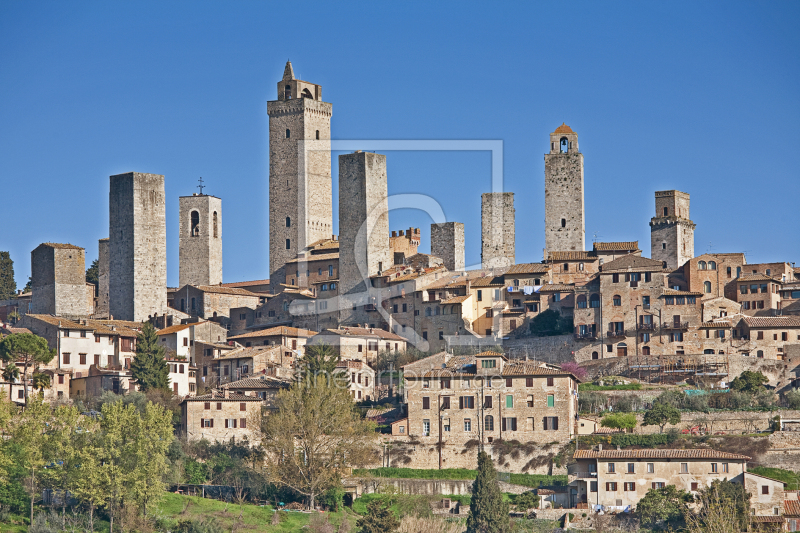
(225,393)
(600,447)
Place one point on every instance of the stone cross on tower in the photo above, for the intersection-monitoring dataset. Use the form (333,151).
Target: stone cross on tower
(201,186)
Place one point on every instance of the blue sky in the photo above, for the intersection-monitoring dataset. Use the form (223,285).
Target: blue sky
(701,97)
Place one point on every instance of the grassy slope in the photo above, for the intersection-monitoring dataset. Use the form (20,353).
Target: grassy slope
(787,476)
(529,480)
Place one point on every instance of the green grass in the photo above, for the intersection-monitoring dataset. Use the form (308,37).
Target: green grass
(528,480)
(14,524)
(787,476)
(585,387)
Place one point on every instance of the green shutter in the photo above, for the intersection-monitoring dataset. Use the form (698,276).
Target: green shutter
(510,401)
(551,400)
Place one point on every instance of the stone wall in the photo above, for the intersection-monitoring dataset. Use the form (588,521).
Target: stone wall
(137,246)
(200,248)
(101,310)
(497,229)
(58,278)
(434,487)
(563,197)
(447,242)
(671,230)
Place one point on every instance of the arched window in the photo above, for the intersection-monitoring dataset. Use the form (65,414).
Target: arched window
(580,267)
(707,287)
(307,94)
(317,134)
(563,222)
(287,92)
(488,423)
(564,145)
(427,311)
(712,265)
(216,231)
(582,301)
(195,228)
(444,310)
(666,211)
(595,355)
(288,244)
(566,267)
(760,354)
(594,301)
(645,350)
(436,311)
(285,306)
(288,222)
(617,300)
(288,134)
(701,265)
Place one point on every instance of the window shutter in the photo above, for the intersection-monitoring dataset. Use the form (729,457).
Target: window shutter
(513,424)
(503,424)
(202,422)
(555,423)
(544,424)
(226,423)
(426,402)
(529,382)
(212,423)
(243,423)
(234,423)
(633,486)
(460,402)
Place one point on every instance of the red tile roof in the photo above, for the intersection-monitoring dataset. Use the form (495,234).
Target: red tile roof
(616,246)
(571,256)
(791,507)
(528,268)
(787,321)
(563,128)
(633,263)
(696,453)
(176,328)
(756,277)
(220,289)
(247,283)
(285,331)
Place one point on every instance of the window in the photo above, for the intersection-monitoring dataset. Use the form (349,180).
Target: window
(426,428)
(466,402)
(488,423)
(509,424)
(593,486)
(214,218)
(764,489)
(509,401)
(611,468)
(581,301)
(563,222)
(441,335)
(594,301)
(467,424)
(713,468)
(195,224)
(614,278)
(684,468)
(65,358)
(207,422)
(557,297)
(445,402)
(487,402)
(724,468)
(480,295)
(707,287)
(712,265)
(288,244)
(317,134)
(701,265)
(611,486)
(631,468)
(550,381)
(617,300)
(629,487)
(288,134)
(550,423)
(487,363)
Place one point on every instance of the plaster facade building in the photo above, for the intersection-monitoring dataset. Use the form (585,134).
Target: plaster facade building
(220,417)
(58,277)
(300,186)
(497,229)
(361,379)
(137,246)
(672,230)
(200,240)
(354,343)
(447,242)
(565,224)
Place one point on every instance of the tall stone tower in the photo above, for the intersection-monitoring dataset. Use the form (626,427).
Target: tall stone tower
(101,310)
(497,229)
(671,230)
(200,240)
(447,242)
(300,197)
(58,278)
(564,225)
(137,246)
(363,226)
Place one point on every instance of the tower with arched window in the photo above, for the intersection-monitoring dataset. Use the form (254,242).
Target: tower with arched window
(565,224)
(671,230)
(300,195)
(200,240)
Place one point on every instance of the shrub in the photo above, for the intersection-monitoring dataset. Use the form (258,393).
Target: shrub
(792,399)
(210,525)
(623,421)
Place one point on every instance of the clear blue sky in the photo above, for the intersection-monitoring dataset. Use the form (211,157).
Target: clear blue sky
(701,97)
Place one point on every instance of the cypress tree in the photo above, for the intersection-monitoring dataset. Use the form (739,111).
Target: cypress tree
(149,366)
(488,513)
(8,287)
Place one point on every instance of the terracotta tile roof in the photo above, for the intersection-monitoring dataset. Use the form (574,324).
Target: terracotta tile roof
(791,507)
(247,283)
(455,300)
(63,323)
(756,277)
(219,289)
(489,281)
(350,363)
(103,327)
(176,328)
(788,321)
(767,519)
(696,453)
(528,268)
(673,292)
(571,256)
(253,351)
(285,331)
(219,396)
(314,257)
(563,128)
(488,353)
(557,287)
(346,331)
(634,263)
(716,325)
(61,246)
(261,382)
(532,369)
(616,246)
(323,244)
(12,330)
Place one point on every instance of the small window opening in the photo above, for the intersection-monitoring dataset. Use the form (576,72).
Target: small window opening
(287,92)
(288,222)
(317,134)
(288,134)
(288,244)
(666,211)
(216,232)
(564,144)
(307,94)
(195,224)
(563,222)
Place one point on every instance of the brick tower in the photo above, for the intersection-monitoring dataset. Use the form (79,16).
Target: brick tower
(300,198)
(58,278)
(137,246)
(200,240)
(497,229)
(363,227)
(447,242)
(564,224)
(671,230)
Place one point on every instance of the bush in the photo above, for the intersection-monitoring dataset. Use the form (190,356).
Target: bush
(333,498)
(792,399)
(209,525)
(45,522)
(585,387)
(624,421)
(526,500)
(550,323)
(591,402)
(646,441)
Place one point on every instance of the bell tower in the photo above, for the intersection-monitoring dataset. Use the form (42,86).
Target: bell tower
(300,197)
(565,225)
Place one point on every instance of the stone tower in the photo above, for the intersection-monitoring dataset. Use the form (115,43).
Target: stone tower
(671,230)
(300,196)
(101,311)
(200,240)
(137,246)
(447,242)
(58,278)
(565,224)
(363,226)
(497,229)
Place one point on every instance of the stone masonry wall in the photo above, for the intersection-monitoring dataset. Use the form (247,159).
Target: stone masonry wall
(497,229)
(58,277)
(563,200)
(447,242)
(101,310)
(137,246)
(200,252)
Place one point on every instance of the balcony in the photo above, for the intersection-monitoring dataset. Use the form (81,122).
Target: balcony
(646,327)
(675,325)
(616,333)
(589,336)
(369,307)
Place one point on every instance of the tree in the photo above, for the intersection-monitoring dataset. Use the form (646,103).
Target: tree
(28,431)
(575,369)
(316,433)
(663,507)
(526,500)
(550,323)
(153,435)
(748,381)
(149,367)
(488,513)
(319,360)
(28,286)
(660,415)
(379,519)
(27,349)
(724,507)
(93,273)
(8,287)
(40,381)
(10,373)
(624,421)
